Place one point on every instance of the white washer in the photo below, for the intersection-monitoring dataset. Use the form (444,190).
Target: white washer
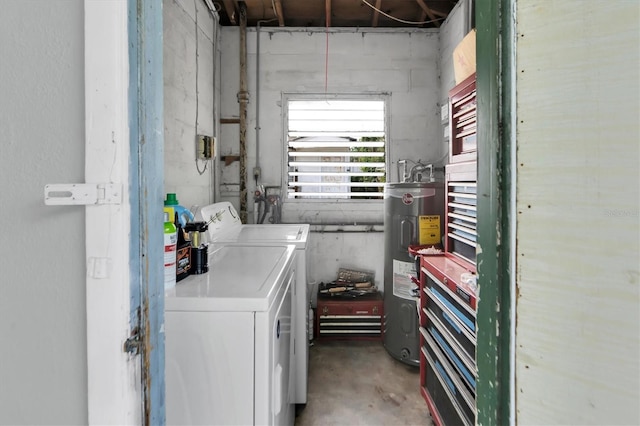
(226,228)
(228,340)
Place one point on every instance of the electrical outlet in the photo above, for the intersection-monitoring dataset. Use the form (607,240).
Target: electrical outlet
(205,146)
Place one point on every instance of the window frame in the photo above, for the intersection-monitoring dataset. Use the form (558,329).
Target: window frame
(300,96)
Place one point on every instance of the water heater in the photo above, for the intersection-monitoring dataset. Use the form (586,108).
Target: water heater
(413,215)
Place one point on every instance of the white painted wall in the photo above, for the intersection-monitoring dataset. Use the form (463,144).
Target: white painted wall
(186,101)
(578,220)
(114,386)
(404,63)
(43,354)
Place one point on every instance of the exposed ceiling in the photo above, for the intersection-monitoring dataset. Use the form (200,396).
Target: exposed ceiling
(336,13)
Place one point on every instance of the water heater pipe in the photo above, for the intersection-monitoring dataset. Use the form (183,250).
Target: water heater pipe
(404,171)
(418,169)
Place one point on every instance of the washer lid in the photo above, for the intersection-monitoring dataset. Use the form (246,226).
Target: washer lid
(265,234)
(240,278)
(225,227)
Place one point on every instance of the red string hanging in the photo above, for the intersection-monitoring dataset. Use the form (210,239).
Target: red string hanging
(326,57)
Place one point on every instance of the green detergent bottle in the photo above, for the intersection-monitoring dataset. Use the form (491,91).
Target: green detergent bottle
(184,214)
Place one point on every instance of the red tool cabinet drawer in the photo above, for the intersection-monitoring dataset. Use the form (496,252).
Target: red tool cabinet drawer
(350,318)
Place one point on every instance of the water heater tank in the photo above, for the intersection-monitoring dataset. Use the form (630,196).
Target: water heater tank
(413,215)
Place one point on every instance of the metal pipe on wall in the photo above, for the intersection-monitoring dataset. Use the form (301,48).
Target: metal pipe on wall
(258,88)
(213,170)
(258,97)
(243,100)
(213,196)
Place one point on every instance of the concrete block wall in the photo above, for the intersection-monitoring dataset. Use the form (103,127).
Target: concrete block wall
(403,63)
(414,66)
(189,104)
(453,30)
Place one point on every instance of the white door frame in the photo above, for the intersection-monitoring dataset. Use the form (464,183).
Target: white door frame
(124,147)
(113,376)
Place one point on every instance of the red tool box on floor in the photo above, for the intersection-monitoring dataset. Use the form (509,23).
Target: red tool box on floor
(349,318)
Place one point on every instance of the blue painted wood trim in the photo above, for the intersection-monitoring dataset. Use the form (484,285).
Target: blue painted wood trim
(146,197)
(134,180)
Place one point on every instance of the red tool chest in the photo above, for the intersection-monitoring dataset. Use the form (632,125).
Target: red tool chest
(357,318)
(448,284)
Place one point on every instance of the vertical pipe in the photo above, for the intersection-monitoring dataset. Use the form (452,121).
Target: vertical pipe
(258,94)
(258,25)
(243,99)
(214,55)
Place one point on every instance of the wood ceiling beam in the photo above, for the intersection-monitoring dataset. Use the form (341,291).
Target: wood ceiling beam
(426,9)
(423,16)
(279,13)
(230,8)
(376,14)
(327,11)
(438,13)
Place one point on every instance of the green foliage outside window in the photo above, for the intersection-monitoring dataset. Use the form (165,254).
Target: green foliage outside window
(378,179)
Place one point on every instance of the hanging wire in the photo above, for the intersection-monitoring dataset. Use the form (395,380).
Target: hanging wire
(326,57)
(398,19)
(200,172)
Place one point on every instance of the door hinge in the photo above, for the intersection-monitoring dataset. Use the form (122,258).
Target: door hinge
(132,344)
(71,194)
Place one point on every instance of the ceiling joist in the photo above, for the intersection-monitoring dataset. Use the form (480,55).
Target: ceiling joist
(230,8)
(335,13)
(438,13)
(427,10)
(376,14)
(279,13)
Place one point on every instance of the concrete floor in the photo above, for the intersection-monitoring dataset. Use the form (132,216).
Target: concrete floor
(359,383)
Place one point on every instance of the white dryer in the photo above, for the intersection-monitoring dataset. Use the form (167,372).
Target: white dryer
(228,340)
(225,227)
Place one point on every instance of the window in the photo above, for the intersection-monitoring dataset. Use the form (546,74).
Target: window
(336,146)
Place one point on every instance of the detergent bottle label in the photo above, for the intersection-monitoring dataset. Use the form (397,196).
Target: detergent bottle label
(170,241)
